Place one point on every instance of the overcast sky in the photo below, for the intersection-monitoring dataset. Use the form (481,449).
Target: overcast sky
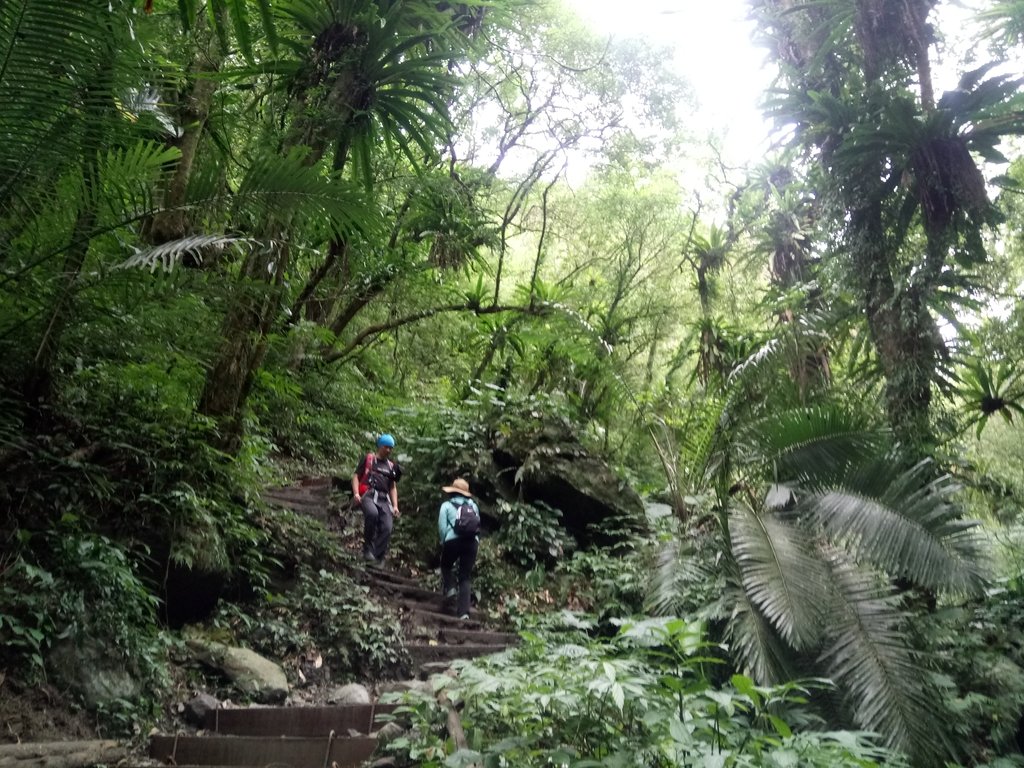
(713,50)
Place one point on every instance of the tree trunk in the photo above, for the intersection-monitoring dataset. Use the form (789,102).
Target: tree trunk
(171,222)
(899,329)
(244,333)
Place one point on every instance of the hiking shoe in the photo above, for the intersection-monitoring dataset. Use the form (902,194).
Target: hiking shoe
(369,558)
(464,616)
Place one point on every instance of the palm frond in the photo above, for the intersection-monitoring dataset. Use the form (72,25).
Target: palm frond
(754,642)
(780,572)
(127,178)
(868,657)
(286,188)
(58,63)
(904,522)
(167,256)
(814,445)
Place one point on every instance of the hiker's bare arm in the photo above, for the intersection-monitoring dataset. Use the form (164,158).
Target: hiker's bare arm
(394,500)
(355,487)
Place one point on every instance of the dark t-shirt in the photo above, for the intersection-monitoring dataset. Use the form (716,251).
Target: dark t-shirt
(383,474)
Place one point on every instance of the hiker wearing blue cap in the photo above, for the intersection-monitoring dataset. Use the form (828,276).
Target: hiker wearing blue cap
(375,492)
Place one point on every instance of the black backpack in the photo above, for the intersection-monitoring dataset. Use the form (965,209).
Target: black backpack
(467,520)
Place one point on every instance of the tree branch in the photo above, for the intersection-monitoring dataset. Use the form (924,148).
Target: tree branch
(367,334)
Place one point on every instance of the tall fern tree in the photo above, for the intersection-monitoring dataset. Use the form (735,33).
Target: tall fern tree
(359,75)
(900,185)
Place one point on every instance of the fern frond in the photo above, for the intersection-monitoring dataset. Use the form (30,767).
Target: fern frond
(53,57)
(168,255)
(285,188)
(128,176)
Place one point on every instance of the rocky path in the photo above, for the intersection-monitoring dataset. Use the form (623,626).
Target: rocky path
(341,735)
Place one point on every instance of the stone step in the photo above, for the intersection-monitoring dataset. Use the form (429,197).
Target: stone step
(286,752)
(296,721)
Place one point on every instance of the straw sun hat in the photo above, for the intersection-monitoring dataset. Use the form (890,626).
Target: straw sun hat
(458,486)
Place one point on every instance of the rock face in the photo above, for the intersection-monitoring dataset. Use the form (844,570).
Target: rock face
(558,472)
(251,673)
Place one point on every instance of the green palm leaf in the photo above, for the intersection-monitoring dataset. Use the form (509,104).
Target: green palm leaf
(868,657)
(232,16)
(812,445)
(127,177)
(780,572)
(903,522)
(287,189)
(754,642)
(57,64)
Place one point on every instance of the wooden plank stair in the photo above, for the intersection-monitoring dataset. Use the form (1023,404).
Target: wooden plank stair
(343,736)
(279,736)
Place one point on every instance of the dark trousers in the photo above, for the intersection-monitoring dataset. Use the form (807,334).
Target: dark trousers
(378,520)
(463,552)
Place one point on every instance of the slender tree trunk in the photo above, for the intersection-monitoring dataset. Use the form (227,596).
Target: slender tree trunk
(898,323)
(244,343)
(171,222)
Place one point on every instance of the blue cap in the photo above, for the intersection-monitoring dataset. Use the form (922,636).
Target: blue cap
(387,440)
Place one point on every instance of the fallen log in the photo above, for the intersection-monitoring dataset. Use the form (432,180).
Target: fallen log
(61,754)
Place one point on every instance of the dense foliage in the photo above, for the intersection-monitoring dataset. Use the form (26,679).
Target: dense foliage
(239,238)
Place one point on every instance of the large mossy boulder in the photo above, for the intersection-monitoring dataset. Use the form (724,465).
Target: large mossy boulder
(547,465)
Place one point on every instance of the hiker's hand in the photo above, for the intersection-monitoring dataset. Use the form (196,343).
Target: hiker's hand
(398,513)
(357,498)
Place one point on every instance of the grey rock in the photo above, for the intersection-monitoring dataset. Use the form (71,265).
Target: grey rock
(251,673)
(88,670)
(352,693)
(548,465)
(389,732)
(197,707)
(434,668)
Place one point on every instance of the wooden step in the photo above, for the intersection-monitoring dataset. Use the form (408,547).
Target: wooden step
(457,636)
(425,580)
(421,614)
(290,752)
(296,721)
(416,593)
(422,653)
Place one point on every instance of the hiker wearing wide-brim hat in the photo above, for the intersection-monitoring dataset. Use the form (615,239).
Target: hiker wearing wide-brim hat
(458,525)
(458,486)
